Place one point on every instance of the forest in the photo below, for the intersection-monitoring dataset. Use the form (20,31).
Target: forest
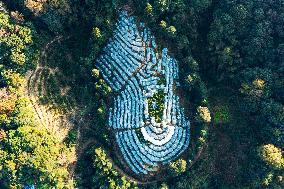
(150,94)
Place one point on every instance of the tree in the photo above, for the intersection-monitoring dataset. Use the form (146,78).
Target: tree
(177,167)
(204,114)
(105,171)
(163,24)
(172,30)
(272,156)
(13,81)
(164,186)
(149,9)
(16,39)
(36,7)
(2,135)
(102,87)
(97,33)
(95,73)
(162,5)
(7,102)
(57,15)
(31,154)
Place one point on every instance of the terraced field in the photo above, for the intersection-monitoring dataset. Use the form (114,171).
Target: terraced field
(149,123)
(47,95)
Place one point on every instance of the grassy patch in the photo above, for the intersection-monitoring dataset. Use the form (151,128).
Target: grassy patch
(156,105)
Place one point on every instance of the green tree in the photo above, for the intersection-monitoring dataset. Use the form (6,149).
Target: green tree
(177,167)
(164,186)
(95,73)
(15,39)
(31,154)
(97,33)
(272,155)
(106,174)
(149,9)
(172,30)
(162,5)
(163,24)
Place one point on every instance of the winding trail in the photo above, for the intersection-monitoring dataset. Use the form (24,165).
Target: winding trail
(36,88)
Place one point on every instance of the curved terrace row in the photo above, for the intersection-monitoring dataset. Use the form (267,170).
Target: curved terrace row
(149,123)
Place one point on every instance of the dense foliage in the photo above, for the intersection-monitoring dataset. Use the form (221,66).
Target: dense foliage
(245,45)
(106,176)
(231,59)
(29,153)
(156,106)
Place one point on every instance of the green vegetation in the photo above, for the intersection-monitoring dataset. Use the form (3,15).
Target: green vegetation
(29,152)
(222,115)
(16,41)
(230,56)
(156,105)
(106,176)
(177,167)
(272,156)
